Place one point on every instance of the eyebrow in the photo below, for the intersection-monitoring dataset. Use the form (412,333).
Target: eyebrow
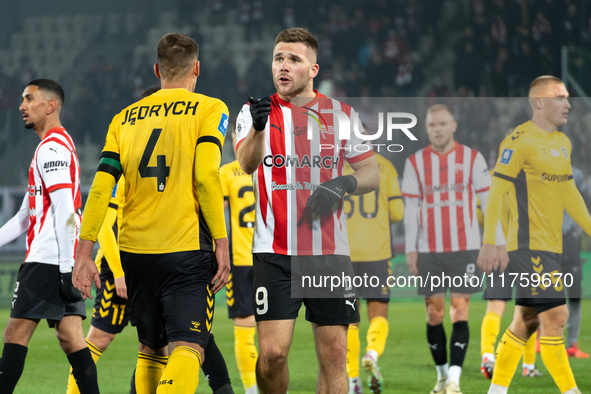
(289,54)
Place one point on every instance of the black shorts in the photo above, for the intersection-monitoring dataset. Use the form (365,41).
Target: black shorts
(572,264)
(273,299)
(454,270)
(111,312)
(170,296)
(239,292)
(499,289)
(37,295)
(532,265)
(380,269)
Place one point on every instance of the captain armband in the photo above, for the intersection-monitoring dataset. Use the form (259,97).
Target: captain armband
(109,163)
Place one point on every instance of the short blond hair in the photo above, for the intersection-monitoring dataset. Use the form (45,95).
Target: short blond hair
(439,107)
(542,81)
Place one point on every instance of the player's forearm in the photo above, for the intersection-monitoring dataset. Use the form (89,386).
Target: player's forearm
(367,175)
(209,189)
(494,205)
(576,207)
(96,205)
(251,150)
(17,225)
(65,226)
(108,242)
(411,224)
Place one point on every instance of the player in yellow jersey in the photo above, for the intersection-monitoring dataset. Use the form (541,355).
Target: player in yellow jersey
(534,168)
(168,147)
(369,217)
(239,197)
(496,297)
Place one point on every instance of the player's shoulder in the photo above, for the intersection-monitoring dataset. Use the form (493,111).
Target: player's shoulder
(522,135)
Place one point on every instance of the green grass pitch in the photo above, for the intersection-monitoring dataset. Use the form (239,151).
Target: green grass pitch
(406,364)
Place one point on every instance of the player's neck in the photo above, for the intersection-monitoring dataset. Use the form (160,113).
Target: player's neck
(48,125)
(444,150)
(299,99)
(542,123)
(186,83)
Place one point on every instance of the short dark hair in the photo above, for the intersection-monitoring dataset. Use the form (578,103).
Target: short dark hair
(298,34)
(176,54)
(50,86)
(149,91)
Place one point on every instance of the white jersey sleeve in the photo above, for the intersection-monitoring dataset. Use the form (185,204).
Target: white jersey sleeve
(243,123)
(410,181)
(481,178)
(17,225)
(62,204)
(53,164)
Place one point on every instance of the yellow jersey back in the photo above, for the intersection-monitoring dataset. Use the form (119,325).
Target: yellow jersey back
(369,215)
(155,141)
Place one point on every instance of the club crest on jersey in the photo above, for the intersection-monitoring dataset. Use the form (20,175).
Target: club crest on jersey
(564,152)
(554,152)
(223,126)
(506,156)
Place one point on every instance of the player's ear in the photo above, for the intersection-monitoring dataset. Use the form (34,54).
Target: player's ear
(157,71)
(196,68)
(315,69)
(51,107)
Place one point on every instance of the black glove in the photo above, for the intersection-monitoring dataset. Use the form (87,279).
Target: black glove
(329,192)
(69,292)
(260,110)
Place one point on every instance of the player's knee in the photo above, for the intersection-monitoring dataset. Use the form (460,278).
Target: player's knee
(435,316)
(272,356)
(334,355)
(531,323)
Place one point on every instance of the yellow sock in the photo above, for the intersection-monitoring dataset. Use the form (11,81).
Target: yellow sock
(96,353)
(377,334)
(556,361)
(353,346)
(508,354)
(489,331)
(529,354)
(181,375)
(246,355)
(148,371)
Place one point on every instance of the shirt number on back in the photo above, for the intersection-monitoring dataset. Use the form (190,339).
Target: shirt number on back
(161,171)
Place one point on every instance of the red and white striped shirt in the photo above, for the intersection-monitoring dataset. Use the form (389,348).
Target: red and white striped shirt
(54,166)
(292,167)
(446,186)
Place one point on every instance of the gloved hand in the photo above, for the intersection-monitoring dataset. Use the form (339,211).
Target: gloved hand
(69,292)
(329,192)
(260,110)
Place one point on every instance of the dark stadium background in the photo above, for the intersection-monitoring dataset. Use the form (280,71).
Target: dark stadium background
(471,54)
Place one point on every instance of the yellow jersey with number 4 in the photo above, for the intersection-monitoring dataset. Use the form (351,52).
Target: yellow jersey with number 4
(369,215)
(154,143)
(238,192)
(538,163)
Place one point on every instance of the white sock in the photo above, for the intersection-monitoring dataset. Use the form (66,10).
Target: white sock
(496,389)
(251,390)
(454,374)
(489,356)
(442,371)
(373,354)
(529,366)
(572,391)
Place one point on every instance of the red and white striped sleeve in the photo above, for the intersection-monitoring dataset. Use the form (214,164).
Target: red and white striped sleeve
(410,179)
(481,178)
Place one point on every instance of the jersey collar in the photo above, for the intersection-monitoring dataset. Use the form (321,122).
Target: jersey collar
(455,148)
(58,130)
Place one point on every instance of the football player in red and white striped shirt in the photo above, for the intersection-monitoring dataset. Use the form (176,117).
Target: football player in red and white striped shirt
(440,184)
(298,186)
(51,213)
